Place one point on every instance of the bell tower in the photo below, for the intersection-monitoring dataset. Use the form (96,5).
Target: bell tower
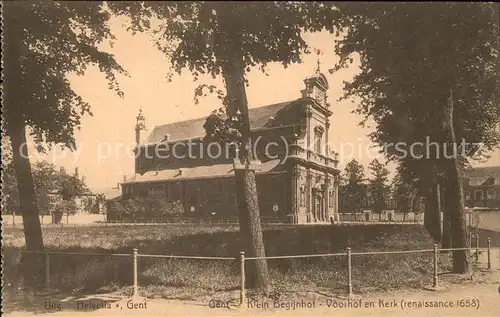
(139,126)
(316,87)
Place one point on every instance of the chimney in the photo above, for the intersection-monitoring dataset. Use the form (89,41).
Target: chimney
(62,170)
(124,178)
(76,172)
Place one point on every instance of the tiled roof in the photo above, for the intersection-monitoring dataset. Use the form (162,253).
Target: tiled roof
(112,193)
(478,172)
(479,175)
(197,172)
(194,128)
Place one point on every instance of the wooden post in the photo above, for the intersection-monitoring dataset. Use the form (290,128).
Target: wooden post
(436,257)
(242,278)
(489,253)
(438,203)
(47,271)
(349,272)
(470,243)
(477,247)
(134,256)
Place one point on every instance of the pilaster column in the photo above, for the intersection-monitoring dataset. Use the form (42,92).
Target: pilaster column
(308,127)
(327,197)
(295,193)
(326,150)
(309,198)
(336,200)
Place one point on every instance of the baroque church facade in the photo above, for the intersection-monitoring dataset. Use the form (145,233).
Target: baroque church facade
(297,176)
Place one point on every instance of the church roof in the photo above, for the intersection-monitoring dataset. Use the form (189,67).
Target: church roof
(198,172)
(193,128)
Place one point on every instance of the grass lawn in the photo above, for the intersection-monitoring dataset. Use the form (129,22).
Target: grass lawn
(195,279)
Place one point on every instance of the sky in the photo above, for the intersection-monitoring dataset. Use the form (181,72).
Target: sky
(106,139)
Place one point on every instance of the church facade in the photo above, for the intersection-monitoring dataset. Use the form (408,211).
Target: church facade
(297,176)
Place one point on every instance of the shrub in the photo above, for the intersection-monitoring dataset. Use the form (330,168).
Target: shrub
(154,206)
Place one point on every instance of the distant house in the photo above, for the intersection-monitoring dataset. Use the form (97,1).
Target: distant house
(85,201)
(482,187)
(111,195)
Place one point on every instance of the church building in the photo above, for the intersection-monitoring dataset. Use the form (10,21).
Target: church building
(297,176)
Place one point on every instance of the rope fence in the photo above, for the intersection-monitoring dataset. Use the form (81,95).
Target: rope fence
(135,255)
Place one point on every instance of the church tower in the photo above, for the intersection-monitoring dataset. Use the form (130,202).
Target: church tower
(316,88)
(139,126)
(314,180)
(317,112)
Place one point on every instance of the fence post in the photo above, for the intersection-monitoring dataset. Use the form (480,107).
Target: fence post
(349,272)
(242,278)
(477,247)
(489,252)
(47,270)
(470,241)
(134,255)
(436,257)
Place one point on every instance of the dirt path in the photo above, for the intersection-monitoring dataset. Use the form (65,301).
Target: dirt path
(482,299)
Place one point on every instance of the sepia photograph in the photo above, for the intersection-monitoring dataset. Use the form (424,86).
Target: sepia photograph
(250,158)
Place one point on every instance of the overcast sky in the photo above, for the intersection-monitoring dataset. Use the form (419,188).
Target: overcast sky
(106,138)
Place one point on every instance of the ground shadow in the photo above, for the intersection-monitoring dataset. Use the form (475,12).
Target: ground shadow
(45,303)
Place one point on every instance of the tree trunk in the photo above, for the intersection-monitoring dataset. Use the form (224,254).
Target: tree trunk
(249,215)
(27,198)
(432,221)
(456,207)
(446,240)
(30,262)
(16,125)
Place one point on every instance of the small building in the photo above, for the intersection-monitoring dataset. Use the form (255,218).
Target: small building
(388,215)
(482,187)
(368,215)
(111,195)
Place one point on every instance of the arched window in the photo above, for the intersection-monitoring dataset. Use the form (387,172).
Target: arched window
(330,198)
(318,135)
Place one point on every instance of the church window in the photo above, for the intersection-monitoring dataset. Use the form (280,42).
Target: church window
(318,134)
(302,196)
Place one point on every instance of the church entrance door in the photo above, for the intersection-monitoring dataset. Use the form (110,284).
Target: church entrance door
(318,206)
